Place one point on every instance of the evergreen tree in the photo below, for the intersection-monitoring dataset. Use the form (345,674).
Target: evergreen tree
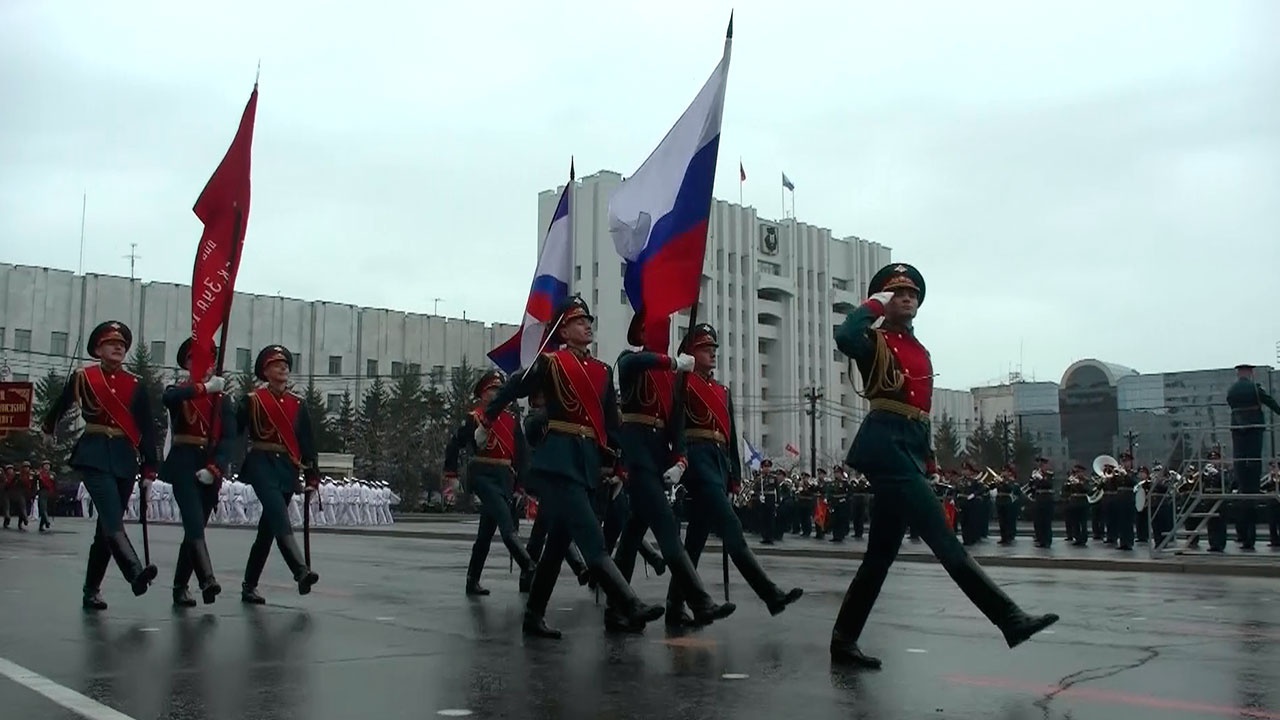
(438,432)
(1002,436)
(48,390)
(140,364)
(1024,453)
(946,443)
(977,447)
(458,398)
(322,431)
(371,432)
(345,424)
(405,448)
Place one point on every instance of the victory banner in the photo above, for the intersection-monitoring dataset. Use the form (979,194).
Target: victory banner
(15,406)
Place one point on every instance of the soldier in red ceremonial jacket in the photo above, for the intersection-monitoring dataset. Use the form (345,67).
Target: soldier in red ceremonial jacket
(202,423)
(580,445)
(118,432)
(714,473)
(653,450)
(48,491)
(492,475)
(280,447)
(27,486)
(892,448)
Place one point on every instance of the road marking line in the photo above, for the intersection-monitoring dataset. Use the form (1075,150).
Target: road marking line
(454,712)
(734,676)
(64,696)
(916,650)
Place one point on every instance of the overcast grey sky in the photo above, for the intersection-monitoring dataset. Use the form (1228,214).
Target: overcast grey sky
(1076,179)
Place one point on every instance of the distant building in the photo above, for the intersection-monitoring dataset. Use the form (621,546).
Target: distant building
(46,315)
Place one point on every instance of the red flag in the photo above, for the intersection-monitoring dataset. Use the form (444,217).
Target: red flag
(742,172)
(223,207)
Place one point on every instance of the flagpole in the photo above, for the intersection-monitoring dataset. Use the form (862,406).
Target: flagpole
(784,198)
(739,180)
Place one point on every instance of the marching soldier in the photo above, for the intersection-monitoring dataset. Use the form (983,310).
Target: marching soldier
(893,448)
(1076,492)
(1246,399)
(1042,486)
(118,433)
(535,431)
(493,473)
(581,444)
(48,491)
(653,450)
(280,448)
(201,421)
(11,497)
(27,486)
(1006,507)
(715,472)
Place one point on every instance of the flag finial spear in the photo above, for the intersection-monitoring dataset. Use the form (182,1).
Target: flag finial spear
(729,35)
(570,168)
(258,73)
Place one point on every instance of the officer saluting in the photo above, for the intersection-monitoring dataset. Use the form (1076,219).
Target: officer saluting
(118,432)
(1246,399)
(280,447)
(581,444)
(892,448)
(197,461)
(491,475)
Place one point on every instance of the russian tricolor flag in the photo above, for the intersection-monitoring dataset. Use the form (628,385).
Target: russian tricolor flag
(550,288)
(658,217)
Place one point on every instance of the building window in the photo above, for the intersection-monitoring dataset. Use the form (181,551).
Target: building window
(58,343)
(333,403)
(415,369)
(595,297)
(1,337)
(577,272)
(371,368)
(397,369)
(297,363)
(839,284)
(622,296)
(335,364)
(595,270)
(437,374)
(22,340)
(20,377)
(243,362)
(764,393)
(157,352)
(624,269)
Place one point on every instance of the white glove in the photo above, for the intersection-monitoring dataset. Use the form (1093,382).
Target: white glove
(203,476)
(482,436)
(215,384)
(684,363)
(673,474)
(884,296)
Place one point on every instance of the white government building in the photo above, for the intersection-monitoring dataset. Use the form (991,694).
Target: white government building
(774,290)
(47,314)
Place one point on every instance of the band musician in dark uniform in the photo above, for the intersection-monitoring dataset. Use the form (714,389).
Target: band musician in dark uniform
(892,448)
(1248,423)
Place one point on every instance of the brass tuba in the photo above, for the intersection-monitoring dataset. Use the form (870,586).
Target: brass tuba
(1107,467)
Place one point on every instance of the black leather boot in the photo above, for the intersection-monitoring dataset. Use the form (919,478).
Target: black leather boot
(526,580)
(198,550)
(541,585)
(258,554)
(1019,628)
(474,589)
(138,576)
(653,557)
(705,610)
(303,575)
(181,576)
(845,651)
(95,572)
(573,557)
(535,625)
(622,597)
(772,595)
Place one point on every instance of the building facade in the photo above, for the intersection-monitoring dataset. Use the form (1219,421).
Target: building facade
(775,292)
(46,315)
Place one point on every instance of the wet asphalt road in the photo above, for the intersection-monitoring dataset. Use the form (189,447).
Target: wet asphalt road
(388,633)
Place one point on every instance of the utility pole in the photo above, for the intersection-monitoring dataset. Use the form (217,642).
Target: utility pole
(812,394)
(1131,436)
(435,310)
(133,259)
